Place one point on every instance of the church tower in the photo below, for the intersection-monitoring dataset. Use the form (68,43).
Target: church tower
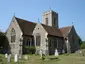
(50,18)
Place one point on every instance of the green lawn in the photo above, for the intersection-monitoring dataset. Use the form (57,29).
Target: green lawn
(35,59)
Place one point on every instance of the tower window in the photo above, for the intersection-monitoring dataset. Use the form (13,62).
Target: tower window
(46,21)
(54,21)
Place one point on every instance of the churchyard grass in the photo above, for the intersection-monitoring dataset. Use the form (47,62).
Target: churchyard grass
(35,59)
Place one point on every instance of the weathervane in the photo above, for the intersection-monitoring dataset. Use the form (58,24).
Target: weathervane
(50,7)
(38,20)
(72,23)
(14,13)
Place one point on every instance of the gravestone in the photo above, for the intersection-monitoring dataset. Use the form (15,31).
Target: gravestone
(56,53)
(9,58)
(81,53)
(26,57)
(15,58)
(40,53)
(63,51)
(20,56)
(6,55)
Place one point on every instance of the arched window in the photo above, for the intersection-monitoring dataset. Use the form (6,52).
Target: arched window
(28,43)
(54,21)
(46,21)
(38,39)
(13,35)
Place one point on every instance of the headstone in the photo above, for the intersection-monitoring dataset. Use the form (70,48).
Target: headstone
(20,56)
(6,55)
(80,52)
(63,51)
(40,53)
(9,57)
(15,58)
(56,53)
(26,57)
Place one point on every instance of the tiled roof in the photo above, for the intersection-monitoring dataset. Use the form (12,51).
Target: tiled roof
(52,31)
(27,27)
(65,30)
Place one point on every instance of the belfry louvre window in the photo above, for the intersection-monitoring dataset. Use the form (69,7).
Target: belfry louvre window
(46,21)
(13,35)
(54,21)
(38,39)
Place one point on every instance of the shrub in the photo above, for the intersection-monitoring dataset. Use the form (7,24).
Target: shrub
(43,58)
(83,46)
(31,49)
(1,49)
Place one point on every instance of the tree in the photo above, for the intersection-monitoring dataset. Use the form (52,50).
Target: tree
(3,42)
(83,45)
(2,38)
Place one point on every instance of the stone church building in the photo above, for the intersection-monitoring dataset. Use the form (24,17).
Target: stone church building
(45,36)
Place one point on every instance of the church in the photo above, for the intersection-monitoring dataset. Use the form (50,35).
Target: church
(45,36)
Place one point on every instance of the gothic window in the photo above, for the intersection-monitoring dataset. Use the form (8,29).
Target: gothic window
(54,21)
(13,35)
(46,21)
(55,43)
(73,39)
(38,39)
(28,43)
(50,43)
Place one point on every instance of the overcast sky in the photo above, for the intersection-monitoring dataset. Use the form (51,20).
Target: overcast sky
(69,11)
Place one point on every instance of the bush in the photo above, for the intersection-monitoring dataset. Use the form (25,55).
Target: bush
(31,49)
(43,58)
(1,50)
(83,46)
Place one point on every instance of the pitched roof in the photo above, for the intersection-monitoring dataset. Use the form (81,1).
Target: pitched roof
(52,30)
(27,27)
(65,30)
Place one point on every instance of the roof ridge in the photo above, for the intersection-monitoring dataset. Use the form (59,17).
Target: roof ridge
(55,32)
(25,20)
(50,26)
(26,26)
(66,27)
(65,30)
